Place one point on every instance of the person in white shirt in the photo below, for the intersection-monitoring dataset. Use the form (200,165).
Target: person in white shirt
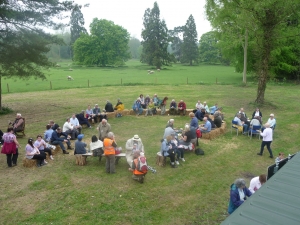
(272,121)
(75,123)
(68,129)
(256,183)
(267,135)
(198,106)
(206,107)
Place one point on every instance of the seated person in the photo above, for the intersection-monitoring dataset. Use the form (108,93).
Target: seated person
(193,134)
(181,107)
(246,122)
(33,153)
(42,147)
(170,123)
(96,112)
(213,109)
(167,150)
(79,145)
(96,146)
(147,100)
(198,106)
(109,107)
(168,132)
(206,107)
(155,100)
(211,121)
(257,182)
(69,129)
(142,99)
(136,173)
(242,127)
(133,145)
(187,136)
(82,120)
(219,110)
(200,114)
(75,122)
(53,125)
(119,106)
(242,112)
(280,157)
(57,140)
(217,119)
(103,115)
(150,108)
(194,121)
(255,122)
(137,107)
(257,113)
(272,121)
(173,107)
(89,114)
(18,123)
(206,127)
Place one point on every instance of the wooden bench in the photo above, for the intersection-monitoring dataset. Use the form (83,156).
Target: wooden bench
(118,157)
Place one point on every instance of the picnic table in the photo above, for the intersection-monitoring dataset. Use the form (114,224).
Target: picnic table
(118,156)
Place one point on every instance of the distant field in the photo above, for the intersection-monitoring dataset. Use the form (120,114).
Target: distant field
(133,73)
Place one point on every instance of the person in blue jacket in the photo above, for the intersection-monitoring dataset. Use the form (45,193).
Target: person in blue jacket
(238,194)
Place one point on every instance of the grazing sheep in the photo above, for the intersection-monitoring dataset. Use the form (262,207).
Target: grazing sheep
(57,65)
(148,71)
(151,72)
(70,78)
(158,70)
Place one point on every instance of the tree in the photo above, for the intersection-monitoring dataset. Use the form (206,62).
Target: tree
(155,39)
(264,20)
(77,24)
(106,45)
(134,45)
(23,45)
(177,42)
(208,49)
(190,38)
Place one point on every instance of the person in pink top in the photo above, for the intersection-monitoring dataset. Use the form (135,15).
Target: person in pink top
(267,135)
(10,147)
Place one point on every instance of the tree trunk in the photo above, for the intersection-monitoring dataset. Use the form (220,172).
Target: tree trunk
(245,57)
(191,62)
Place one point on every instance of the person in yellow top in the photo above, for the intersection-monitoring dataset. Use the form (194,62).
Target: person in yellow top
(150,108)
(119,106)
(110,144)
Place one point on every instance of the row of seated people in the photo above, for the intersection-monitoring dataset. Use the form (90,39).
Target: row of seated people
(244,124)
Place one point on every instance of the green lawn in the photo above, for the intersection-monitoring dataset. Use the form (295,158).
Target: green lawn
(133,73)
(196,192)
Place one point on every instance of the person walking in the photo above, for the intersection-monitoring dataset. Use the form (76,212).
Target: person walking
(10,147)
(267,135)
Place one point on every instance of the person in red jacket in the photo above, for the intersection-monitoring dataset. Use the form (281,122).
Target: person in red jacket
(181,107)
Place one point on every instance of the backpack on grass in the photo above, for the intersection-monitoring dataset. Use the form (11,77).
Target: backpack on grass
(199,151)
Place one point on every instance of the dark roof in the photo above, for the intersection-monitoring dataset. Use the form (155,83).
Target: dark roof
(276,202)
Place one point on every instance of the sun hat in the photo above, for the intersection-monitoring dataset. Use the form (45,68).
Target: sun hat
(80,136)
(271,114)
(136,137)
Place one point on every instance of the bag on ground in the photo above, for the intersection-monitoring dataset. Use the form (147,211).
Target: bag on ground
(199,151)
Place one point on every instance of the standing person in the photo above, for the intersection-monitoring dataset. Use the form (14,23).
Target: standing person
(133,145)
(103,129)
(32,152)
(41,146)
(10,147)
(238,194)
(110,144)
(163,105)
(267,135)
(256,183)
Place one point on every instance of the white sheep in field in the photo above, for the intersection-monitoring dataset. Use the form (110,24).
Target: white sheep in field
(158,70)
(70,78)
(151,72)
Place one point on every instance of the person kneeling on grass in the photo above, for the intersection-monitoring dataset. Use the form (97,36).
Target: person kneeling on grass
(139,167)
(32,152)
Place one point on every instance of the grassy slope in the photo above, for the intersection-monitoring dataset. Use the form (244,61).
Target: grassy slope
(194,193)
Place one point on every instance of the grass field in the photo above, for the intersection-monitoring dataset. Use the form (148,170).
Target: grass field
(196,192)
(133,73)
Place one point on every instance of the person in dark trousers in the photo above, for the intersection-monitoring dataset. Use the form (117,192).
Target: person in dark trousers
(57,140)
(10,147)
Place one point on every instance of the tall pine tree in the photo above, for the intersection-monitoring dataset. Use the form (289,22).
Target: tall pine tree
(155,39)
(77,25)
(190,52)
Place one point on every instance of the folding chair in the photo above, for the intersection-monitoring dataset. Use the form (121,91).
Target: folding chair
(234,126)
(255,130)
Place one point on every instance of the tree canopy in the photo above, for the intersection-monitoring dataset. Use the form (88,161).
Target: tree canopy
(23,44)
(208,50)
(156,39)
(106,45)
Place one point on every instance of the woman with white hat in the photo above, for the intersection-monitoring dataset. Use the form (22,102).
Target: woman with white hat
(132,145)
